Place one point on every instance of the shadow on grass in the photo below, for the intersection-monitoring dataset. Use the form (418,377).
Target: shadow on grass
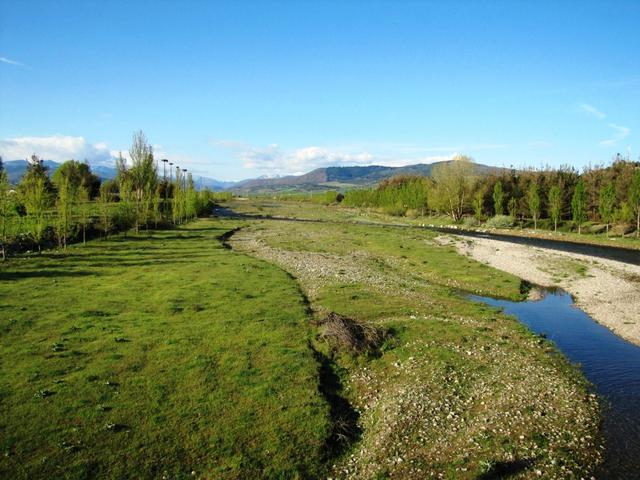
(507,469)
(344,418)
(7,276)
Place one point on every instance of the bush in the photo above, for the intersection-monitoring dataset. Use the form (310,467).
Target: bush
(124,217)
(346,334)
(470,222)
(395,209)
(500,221)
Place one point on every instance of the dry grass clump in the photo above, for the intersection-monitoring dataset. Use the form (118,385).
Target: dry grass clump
(346,334)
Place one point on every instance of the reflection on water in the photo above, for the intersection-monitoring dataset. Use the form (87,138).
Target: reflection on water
(609,362)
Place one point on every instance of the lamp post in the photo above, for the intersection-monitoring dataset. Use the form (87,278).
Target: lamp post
(184,170)
(164,172)
(164,183)
(170,171)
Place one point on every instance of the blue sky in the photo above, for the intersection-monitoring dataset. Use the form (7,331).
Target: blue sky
(239,89)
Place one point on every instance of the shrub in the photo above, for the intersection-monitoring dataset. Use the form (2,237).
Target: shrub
(395,209)
(346,334)
(124,217)
(470,222)
(500,221)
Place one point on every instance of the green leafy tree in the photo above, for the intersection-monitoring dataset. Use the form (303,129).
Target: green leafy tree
(607,204)
(478,202)
(555,205)
(36,199)
(36,170)
(84,209)
(157,207)
(179,197)
(126,213)
(513,207)
(143,176)
(623,214)
(191,201)
(78,174)
(498,198)
(104,209)
(634,199)
(579,205)
(454,181)
(6,210)
(533,199)
(65,204)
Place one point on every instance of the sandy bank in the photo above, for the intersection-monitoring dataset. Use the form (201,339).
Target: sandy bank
(607,290)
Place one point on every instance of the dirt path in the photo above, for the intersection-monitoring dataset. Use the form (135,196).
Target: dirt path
(609,291)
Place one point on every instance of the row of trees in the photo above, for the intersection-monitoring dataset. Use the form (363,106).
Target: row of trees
(606,194)
(75,200)
(602,194)
(395,195)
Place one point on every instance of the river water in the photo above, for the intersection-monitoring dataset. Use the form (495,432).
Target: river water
(610,363)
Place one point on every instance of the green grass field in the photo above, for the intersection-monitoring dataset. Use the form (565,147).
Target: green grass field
(307,210)
(156,355)
(167,355)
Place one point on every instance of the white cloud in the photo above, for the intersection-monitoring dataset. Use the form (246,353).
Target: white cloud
(585,107)
(56,147)
(278,162)
(272,158)
(620,134)
(11,62)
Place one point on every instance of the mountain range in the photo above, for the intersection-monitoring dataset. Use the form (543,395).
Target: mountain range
(327,178)
(341,178)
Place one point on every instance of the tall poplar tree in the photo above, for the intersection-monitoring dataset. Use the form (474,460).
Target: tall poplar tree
(579,205)
(533,199)
(634,199)
(498,198)
(606,204)
(555,205)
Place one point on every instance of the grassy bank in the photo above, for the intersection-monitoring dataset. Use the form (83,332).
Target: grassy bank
(310,211)
(156,355)
(454,389)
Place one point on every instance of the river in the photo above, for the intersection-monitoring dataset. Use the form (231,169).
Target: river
(610,363)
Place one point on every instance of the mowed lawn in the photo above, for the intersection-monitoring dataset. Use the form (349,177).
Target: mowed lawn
(156,355)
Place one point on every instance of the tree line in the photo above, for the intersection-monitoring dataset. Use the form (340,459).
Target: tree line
(602,195)
(41,210)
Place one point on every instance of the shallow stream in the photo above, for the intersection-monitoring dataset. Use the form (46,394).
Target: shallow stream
(610,363)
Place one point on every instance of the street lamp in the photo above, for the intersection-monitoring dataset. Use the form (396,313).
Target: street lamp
(164,172)
(164,182)
(184,170)
(170,171)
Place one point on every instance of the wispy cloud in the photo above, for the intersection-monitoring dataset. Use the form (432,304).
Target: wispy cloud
(11,62)
(620,133)
(585,107)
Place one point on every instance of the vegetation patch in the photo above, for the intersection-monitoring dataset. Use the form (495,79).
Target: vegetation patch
(347,335)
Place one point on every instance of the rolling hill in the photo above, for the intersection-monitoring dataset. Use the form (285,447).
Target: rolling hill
(339,178)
